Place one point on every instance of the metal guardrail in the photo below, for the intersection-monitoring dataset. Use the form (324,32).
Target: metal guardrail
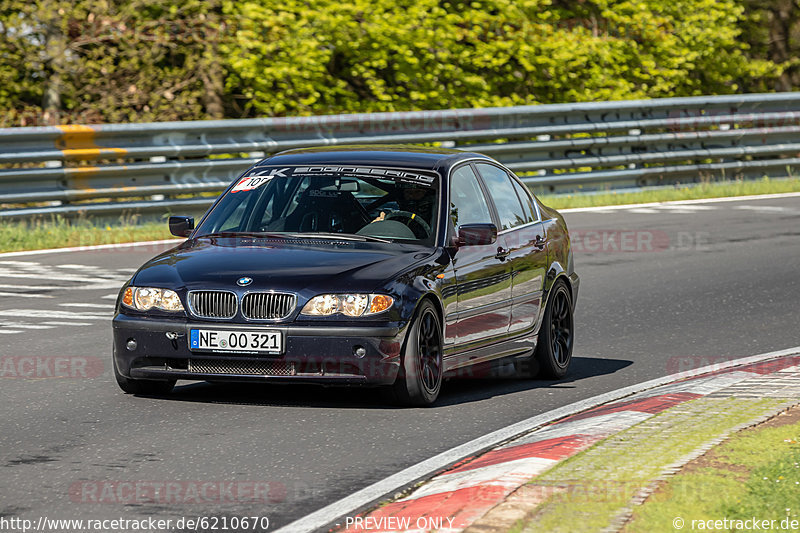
(108,169)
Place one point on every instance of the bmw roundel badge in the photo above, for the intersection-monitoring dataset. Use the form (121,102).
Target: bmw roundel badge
(243,282)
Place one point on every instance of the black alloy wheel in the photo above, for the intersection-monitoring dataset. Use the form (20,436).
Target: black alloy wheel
(420,377)
(556,336)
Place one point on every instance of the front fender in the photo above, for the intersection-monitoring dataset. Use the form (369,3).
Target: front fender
(424,281)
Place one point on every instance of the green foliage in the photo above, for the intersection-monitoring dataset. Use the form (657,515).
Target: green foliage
(58,232)
(109,61)
(712,189)
(299,57)
(136,60)
(772,30)
(756,473)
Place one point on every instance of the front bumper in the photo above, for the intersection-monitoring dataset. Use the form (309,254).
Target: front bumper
(313,353)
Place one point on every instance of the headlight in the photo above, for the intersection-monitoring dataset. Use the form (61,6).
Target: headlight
(144,298)
(170,301)
(347,304)
(327,304)
(354,304)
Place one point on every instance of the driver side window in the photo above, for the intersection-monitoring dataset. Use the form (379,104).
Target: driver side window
(467,203)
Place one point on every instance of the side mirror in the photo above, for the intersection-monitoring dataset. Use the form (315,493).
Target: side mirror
(181,226)
(477,234)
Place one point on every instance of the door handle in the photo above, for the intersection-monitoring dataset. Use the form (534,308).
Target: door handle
(502,253)
(539,242)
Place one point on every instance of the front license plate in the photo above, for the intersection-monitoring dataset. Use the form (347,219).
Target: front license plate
(270,341)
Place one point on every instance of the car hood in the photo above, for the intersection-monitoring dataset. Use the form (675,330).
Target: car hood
(297,265)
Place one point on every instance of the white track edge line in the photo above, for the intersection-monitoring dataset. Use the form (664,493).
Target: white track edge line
(396,482)
(682,202)
(88,248)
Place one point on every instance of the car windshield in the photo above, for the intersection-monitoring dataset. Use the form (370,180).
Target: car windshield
(369,203)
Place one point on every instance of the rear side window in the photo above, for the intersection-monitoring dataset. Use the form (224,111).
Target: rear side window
(525,198)
(509,208)
(467,203)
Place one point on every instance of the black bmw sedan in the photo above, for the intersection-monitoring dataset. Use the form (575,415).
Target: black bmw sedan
(388,266)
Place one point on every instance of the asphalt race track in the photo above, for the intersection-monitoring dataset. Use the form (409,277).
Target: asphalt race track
(663,289)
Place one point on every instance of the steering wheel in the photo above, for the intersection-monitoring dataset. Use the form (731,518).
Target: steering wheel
(407,217)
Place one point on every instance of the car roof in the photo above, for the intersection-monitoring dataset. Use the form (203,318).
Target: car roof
(395,155)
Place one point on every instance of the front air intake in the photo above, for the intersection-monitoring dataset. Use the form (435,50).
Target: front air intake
(212,304)
(247,368)
(268,305)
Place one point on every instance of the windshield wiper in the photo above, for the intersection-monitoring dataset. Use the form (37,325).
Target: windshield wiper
(246,233)
(374,239)
(341,236)
(298,235)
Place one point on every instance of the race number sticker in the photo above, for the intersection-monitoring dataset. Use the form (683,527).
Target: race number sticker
(257,178)
(250,183)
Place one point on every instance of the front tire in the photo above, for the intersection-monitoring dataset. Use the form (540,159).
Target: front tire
(420,378)
(142,386)
(554,349)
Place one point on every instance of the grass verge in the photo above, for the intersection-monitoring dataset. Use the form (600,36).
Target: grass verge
(755,474)
(591,488)
(60,232)
(719,189)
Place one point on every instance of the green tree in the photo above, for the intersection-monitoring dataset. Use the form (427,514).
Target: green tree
(772,30)
(91,61)
(320,56)
(110,61)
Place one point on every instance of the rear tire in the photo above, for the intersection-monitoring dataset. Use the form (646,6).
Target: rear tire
(142,386)
(420,378)
(554,348)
